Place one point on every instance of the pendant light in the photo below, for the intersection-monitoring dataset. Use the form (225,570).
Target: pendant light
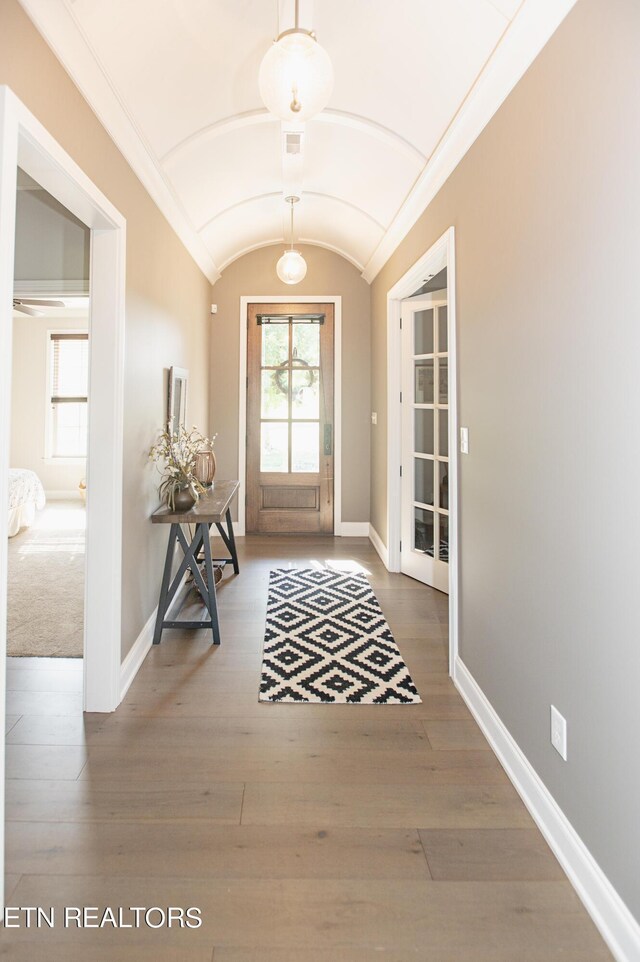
(292,267)
(296,75)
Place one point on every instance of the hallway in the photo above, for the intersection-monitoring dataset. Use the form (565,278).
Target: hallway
(302,832)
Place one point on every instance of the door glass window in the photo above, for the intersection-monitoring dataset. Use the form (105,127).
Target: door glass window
(305,447)
(274,446)
(290,398)
(423,530)
(275,394)
(431,432)
(275,344)
(423,332)
(424,382)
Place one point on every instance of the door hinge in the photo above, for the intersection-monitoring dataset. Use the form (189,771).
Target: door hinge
(400,322)
(247,382)
(401,546)
(400,470)
(400,397)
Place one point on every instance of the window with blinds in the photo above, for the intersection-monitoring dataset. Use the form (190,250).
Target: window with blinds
(69,366)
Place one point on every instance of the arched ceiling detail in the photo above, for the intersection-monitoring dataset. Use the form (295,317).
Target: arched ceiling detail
(176,85)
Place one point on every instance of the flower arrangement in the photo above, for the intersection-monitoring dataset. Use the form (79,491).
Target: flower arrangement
(179,452)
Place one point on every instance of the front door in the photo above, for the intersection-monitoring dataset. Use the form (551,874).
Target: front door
(425,440)
(290,418)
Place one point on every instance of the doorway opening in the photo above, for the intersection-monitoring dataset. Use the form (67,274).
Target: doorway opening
(422,490)
(290,447)
(48,442)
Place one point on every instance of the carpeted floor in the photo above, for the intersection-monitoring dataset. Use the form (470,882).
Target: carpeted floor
(46,584)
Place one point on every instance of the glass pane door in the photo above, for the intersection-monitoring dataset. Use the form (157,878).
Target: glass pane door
(290,398)
(425,440)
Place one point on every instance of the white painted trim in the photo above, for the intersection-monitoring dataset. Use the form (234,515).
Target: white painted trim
(440,253)
(535,22)
(292,298)
(26,143)
(353,529)
(8,183)
(615,922)
(137,654)
(71,495)
(379,545)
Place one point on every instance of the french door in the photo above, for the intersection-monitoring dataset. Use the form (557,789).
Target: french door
(425,440)
(290,418)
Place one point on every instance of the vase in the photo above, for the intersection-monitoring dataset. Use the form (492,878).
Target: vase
(183,499)
(205,467)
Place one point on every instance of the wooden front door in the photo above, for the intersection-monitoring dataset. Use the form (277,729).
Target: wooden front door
(290,418)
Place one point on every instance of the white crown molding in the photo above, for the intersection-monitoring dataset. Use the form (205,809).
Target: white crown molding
(618,927)
(524,38)
(55,22)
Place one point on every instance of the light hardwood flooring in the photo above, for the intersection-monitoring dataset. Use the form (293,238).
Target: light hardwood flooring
(305,833)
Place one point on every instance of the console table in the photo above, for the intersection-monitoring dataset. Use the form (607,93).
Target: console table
(212,508)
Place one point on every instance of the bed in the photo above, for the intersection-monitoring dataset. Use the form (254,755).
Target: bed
(26,496)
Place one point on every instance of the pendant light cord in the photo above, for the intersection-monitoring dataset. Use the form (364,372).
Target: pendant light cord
(291,202)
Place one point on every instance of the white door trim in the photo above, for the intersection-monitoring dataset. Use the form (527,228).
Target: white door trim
(293,298)
(26,143)
(439,254)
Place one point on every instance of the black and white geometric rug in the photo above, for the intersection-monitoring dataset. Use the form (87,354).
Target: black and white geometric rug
(326,640)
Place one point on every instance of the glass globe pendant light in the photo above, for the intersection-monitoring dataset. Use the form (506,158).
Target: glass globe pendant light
(292,267)
(296,75)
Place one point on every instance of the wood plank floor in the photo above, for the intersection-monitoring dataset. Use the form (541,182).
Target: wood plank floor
(304,833)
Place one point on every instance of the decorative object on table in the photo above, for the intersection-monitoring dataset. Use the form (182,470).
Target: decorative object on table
(206,463)
(326,640)
(180,487)
(82,488)
(177,399)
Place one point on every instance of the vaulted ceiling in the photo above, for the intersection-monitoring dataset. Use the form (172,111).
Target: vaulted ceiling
(176,85)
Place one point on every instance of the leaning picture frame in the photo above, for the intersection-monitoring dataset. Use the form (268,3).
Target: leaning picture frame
(177,399)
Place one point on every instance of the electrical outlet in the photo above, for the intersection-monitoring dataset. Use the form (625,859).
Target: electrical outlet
(374,417)
(559,732)
(464,440)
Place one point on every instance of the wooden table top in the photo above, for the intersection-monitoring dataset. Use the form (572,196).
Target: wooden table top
(210,508)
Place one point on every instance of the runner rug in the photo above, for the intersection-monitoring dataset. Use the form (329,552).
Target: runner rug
(326,640)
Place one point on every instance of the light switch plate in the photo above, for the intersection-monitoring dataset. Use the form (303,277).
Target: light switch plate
(559,732)
(464,440)
(374,417)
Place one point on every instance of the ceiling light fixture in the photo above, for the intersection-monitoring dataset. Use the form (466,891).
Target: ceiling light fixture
(292,267)
(296,75)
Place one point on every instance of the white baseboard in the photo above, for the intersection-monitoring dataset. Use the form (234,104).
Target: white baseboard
(379,545)
(618,927)
(72,495)
(352,529)
(137,654)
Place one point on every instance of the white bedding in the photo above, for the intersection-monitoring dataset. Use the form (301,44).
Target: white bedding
(26,495)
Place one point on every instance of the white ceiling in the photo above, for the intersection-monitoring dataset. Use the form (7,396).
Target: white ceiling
(176,84)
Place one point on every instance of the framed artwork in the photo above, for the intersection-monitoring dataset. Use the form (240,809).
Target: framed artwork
(177,399)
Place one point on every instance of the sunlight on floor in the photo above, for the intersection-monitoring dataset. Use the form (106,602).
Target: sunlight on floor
(64,518)
(346,567)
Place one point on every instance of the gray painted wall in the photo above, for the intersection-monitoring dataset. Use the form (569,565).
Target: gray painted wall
(545,205)
(51,244)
